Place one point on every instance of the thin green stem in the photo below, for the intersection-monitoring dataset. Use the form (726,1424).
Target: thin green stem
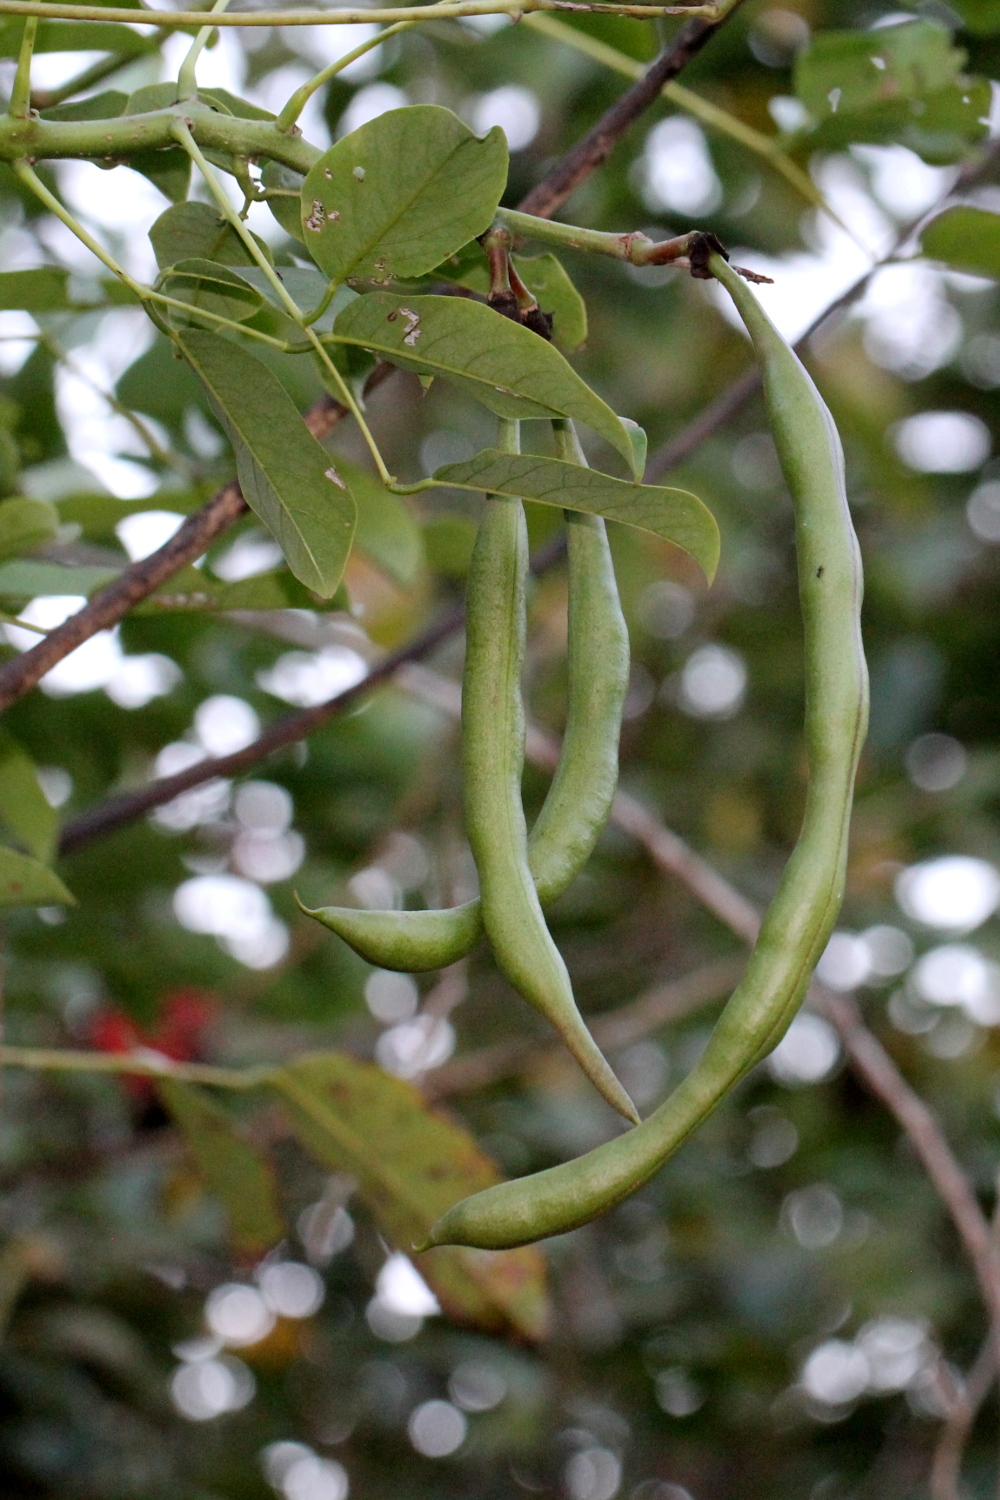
(22,624)
(188,308)
(297,103)
(30,178)
(187,77)
(20,94)
(769,148)
(144,1063)
(182,133)
(442,10)
(145,434)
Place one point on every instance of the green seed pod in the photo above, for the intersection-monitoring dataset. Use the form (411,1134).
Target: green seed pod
(801,916)
(583,788)
(493,760)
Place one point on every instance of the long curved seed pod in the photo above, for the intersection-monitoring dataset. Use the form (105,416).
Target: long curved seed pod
(493,760)
(801,916)
(580,796)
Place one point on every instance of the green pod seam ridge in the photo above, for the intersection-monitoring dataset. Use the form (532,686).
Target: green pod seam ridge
(801,916)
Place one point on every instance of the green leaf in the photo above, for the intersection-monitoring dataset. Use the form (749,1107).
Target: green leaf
(287,478)
(44,290)
(286,206)
(401,193)
(27,882)
(546,278)
(106,106)
(500,363)
(305,285)
(76,36)
(190,231)
(26,524)
(674,515)
(981,17)
(233,1170)
(168,170)
(898,84)
(411,1162)
(23,580)
(968,239)
(23,808)
(388,532)
(206,284)
(193,589)
(232,104)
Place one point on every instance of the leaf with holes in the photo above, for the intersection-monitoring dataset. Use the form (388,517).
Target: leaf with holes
(674,515)
(899,84)
(232,1168)
(288,479)
(499,362)
(412,1166)
(399,194)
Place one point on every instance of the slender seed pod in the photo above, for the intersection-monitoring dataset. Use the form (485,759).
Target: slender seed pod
(801,916)
(583,788)
(493,760)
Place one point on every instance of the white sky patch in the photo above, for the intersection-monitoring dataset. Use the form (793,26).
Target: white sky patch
(515,109)
(675,170)
(144,532)
(805,283)
(955,893)
(368,103)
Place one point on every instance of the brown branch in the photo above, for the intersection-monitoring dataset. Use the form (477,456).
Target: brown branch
(596,146)
(135,583)
(946,1464)
(117,811)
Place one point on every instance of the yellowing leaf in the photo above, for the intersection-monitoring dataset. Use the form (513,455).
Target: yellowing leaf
(233,1169)
(411,1162)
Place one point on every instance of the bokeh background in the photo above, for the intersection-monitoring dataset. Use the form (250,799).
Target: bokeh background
(779,1312)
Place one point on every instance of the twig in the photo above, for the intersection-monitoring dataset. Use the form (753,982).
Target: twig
(656,1007)
(946,1464)
(117,811)
(135,583)
(599,142)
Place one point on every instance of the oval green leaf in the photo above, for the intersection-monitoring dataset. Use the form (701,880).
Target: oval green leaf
(500,363)
(674,515)
(399,194)
(287,477)
(968,239)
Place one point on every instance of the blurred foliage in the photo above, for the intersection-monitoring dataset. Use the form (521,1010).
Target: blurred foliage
(797,1221)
